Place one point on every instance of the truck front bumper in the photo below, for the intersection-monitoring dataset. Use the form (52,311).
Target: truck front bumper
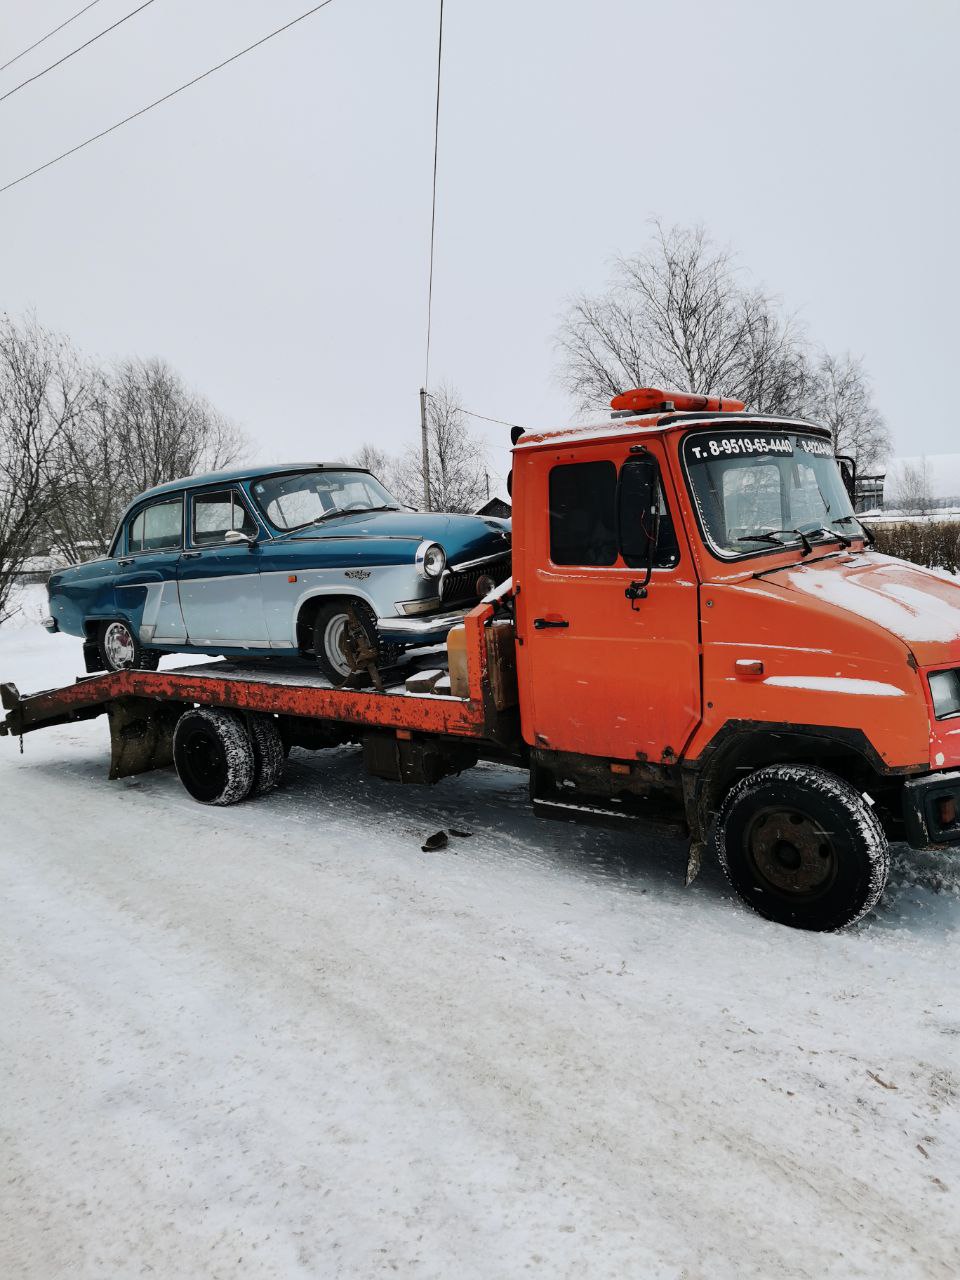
(931,810)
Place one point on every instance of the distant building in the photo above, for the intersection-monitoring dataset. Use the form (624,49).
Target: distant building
(497,507)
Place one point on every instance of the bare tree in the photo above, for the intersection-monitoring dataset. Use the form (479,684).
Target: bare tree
(378,462)
(839,396)
(42,394)
(457,460)
(913,489)
(140,427)
(166,429)
(678,316)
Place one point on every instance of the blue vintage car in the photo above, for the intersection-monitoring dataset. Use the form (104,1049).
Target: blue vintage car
(310,560)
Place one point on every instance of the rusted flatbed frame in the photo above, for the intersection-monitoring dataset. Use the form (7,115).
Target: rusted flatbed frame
(488,714)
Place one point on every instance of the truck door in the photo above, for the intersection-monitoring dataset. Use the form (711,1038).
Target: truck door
(605,671)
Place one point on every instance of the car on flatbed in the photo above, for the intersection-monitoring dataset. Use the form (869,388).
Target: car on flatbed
(698,638)
(281,560)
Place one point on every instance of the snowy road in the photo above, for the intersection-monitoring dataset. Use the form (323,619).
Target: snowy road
(280,1041)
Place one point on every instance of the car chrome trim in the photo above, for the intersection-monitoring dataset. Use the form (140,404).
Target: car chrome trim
(407,608)
(50,624)
(420,626)
(464,565)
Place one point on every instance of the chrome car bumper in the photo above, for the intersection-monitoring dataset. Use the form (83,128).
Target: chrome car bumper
(50,624)
(420,626)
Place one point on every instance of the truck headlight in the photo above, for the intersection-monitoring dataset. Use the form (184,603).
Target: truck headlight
(945,690)
(431,559)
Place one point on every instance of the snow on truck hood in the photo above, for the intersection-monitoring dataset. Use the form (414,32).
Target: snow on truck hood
(919,606)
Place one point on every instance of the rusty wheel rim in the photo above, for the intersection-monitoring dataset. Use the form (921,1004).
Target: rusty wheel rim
(791,854)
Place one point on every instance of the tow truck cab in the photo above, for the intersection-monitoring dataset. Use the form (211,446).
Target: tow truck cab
(696,601)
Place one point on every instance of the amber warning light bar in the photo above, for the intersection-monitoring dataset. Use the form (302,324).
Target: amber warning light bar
(652,399)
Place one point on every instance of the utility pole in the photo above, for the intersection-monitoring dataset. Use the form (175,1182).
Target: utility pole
(425,446)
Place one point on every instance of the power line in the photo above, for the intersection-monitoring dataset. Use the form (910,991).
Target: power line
(166,97)
(36,44)
(79,49)
(499,421)
(433,206)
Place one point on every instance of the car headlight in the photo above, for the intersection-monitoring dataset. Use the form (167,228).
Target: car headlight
(431,559)
(945,690)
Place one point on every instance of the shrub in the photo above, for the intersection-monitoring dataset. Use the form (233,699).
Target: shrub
(934,543)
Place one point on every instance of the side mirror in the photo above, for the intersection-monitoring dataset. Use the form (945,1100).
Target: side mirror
(848,470)
(638,519)
(237,535)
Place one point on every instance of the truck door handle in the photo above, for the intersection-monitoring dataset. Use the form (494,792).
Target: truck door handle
(190,555)
(543,624)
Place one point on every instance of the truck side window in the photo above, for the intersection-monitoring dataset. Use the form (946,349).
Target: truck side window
(583,519)
(583,513)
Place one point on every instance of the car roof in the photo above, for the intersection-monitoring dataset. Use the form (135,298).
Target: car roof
(243,473)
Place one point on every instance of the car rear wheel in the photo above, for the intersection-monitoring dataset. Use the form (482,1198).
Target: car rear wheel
(214,756)
(120,650)
(802,847)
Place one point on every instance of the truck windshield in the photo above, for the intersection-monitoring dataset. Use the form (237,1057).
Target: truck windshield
(757,487)
(299,498)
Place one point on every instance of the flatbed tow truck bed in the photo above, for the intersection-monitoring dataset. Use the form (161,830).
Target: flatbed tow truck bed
(143,706)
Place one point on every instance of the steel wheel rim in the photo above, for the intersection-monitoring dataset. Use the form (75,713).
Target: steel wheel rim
(205,761)
(333,644)
(791,855)
(119,646)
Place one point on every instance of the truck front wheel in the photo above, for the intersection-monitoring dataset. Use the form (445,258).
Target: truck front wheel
(802,847)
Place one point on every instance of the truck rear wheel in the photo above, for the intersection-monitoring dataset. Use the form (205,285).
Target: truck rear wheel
(214,756)
(269,755)
(802,847)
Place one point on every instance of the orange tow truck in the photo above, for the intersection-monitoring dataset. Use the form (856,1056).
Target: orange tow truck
(697,638)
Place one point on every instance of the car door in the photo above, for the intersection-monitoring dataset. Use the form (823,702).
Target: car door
(220,591)
(146,571)
(610,676)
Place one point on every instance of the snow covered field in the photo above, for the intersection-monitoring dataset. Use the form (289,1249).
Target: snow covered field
(281,1041)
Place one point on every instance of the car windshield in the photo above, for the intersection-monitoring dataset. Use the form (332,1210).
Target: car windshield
(299,498)
(757,488)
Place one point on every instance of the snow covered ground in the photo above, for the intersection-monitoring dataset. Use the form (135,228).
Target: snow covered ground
(281,1041)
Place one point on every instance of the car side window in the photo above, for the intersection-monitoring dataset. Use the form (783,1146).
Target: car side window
(215,514)
(157,528)
(583,518)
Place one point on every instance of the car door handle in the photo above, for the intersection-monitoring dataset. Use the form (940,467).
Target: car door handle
(191,555)
(544,624)
(122,564)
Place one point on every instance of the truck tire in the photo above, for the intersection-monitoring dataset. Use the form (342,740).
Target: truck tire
(214,756)
(120,650)
(802,847)
(269,756)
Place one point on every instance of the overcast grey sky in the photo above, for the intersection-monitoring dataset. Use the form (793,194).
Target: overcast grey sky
(267,231)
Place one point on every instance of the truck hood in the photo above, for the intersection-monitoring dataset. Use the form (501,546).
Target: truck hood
(462,537)
(917,605)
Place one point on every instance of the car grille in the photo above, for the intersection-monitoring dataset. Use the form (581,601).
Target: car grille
(462,585)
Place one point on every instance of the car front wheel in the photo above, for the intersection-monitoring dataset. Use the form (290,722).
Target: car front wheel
(120,650)
(343,631)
